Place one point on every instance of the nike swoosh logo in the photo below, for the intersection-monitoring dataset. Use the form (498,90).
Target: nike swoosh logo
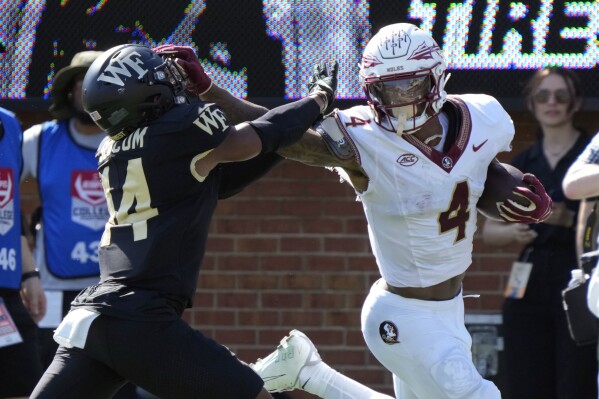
(478,147)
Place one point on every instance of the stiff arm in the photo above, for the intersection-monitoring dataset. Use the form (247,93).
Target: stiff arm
(311,149)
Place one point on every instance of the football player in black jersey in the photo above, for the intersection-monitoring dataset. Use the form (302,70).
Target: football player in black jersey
(167,160)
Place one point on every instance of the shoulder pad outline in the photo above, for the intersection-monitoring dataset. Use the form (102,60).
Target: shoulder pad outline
(334,137)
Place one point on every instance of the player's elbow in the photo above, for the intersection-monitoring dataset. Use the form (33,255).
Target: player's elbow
(570,191)
(574,190)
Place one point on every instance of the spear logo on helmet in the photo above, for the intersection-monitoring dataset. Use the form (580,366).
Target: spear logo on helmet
(425,52)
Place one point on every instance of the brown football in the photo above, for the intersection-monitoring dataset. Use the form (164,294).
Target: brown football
(501,180)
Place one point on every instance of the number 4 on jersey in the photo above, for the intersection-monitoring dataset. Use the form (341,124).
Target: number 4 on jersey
(457,213)
(135,192)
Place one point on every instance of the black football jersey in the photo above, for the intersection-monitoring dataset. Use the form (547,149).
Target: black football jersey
(160,209)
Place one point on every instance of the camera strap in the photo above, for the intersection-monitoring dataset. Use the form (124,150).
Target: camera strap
(589,241)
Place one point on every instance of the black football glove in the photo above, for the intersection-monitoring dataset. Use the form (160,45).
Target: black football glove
(323,83)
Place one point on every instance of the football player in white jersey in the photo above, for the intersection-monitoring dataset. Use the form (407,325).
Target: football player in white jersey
(417,159)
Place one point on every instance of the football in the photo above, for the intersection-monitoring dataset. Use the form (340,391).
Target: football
(501,180)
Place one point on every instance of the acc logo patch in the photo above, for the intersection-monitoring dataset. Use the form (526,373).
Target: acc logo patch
(389,332)
(407,159)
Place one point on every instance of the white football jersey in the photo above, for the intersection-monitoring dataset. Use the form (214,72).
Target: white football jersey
(420,203)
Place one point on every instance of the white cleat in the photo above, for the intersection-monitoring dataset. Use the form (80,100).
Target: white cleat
(280,370)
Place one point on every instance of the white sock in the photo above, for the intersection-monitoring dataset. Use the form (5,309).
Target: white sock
(321,380)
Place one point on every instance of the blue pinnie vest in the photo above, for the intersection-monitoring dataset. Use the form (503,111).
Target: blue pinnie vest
(74,207)
(11,163)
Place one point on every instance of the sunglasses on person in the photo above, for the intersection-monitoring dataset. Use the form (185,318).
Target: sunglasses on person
(562,96)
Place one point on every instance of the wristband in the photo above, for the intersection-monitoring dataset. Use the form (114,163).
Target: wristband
(28,275)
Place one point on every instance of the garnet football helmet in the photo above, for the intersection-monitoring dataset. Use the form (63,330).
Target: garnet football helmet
(130,85)
(403,74)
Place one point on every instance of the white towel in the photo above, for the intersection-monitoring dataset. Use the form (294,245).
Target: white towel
(72,331)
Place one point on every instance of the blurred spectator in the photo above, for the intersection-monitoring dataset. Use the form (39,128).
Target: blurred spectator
(541,359)
(582,179)
(22,298)
(582,182)
(60,154)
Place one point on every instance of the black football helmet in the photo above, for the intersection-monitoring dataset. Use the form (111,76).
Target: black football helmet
(130,85)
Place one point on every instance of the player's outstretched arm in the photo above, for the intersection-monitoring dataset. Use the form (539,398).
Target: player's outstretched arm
(310,149)
(278,128)
(237,110)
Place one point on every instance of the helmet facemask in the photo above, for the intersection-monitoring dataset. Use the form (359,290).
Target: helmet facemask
(406,101)
(168,74)
(403,74)
(172,74)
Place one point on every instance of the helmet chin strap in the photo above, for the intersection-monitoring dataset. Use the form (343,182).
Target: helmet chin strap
(401,122)
(402,117)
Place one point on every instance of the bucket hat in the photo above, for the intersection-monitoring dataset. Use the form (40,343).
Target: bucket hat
(61,106)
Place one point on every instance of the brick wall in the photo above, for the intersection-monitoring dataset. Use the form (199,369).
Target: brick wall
(291,251)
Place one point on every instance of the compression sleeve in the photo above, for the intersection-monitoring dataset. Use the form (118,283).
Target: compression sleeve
(235,176)
(284,125)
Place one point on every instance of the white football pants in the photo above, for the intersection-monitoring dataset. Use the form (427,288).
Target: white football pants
(426,346)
